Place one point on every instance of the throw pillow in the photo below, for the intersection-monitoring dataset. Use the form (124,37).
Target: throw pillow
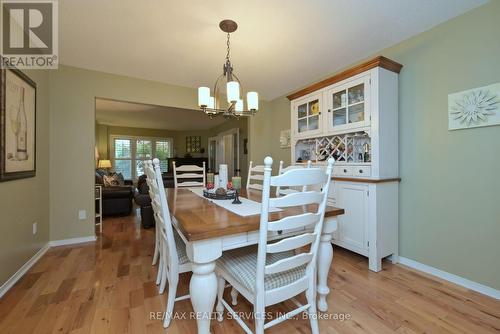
(98,178)
(120,178)
(110,181)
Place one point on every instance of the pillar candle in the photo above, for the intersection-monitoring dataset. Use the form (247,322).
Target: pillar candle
(210,177)
(223,176)
(237,182)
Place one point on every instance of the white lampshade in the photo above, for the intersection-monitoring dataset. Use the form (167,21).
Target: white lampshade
(104,164)
(239,106)
(211,102)
(233,91)
(203,96)
(253,101)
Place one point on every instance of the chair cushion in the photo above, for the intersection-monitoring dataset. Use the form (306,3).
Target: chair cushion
(181,248)
(241,264)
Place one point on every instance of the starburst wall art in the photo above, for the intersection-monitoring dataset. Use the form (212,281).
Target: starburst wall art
(474,108)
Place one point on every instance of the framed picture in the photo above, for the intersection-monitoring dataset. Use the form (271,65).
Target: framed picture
(17,125)
(193,144)
(474,108)
(285,138)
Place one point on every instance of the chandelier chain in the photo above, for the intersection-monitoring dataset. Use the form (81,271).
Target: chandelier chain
(227,43)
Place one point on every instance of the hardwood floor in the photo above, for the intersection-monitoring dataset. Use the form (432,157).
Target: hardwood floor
(108,287)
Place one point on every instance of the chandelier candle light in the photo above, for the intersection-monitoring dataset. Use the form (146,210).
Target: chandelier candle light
(215,105)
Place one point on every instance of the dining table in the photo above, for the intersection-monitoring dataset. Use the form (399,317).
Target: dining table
(209,229)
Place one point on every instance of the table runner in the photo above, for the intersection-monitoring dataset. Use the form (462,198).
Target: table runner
(246,208)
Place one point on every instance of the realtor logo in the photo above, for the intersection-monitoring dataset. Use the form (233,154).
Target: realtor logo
(29,37)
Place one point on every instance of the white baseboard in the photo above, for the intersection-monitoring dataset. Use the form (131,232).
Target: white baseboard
(23,270)
(466,283)
(63,242)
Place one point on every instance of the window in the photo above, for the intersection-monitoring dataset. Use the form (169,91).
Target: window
(144,151)
(129,154)
(123,157)
(163,150)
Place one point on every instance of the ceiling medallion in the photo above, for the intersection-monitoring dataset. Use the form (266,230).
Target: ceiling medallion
(216,104)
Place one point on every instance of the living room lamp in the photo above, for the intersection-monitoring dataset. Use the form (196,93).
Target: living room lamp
(104,164)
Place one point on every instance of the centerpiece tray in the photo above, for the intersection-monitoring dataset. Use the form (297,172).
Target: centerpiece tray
(217,194)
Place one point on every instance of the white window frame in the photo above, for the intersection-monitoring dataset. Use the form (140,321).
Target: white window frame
(133,149)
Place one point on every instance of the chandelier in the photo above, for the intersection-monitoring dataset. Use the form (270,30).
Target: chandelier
(232,104)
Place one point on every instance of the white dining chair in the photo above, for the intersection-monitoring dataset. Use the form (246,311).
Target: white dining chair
(150,178)
(255,173)
(173,259)
(189,175)
(154,194)
(272,272)
(281,191)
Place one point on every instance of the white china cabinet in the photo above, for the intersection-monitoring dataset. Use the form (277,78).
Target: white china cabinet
(353,117)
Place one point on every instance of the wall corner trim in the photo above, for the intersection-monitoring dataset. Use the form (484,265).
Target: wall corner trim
(23,270)
(464,282)
(63,242)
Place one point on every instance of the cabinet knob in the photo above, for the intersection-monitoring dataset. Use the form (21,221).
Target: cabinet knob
(360,171)
(345,170)
(319,113)
(329,110)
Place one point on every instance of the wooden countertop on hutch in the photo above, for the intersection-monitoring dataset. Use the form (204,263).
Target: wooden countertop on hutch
(366,180)
(379,61)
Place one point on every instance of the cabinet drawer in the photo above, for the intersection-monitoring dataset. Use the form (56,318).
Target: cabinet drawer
(362,171)
(342,170)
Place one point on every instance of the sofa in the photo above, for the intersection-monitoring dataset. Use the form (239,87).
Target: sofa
(116,200)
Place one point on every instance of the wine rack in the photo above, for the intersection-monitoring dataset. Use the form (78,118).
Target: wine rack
(348,148)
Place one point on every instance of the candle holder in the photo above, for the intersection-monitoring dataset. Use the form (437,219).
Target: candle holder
(237,197)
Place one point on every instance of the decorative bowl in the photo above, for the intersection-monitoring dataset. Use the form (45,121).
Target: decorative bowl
(212,194)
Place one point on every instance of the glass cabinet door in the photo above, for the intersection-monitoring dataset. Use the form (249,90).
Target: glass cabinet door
(347,105)
(356,103)
(339,108)
(308,116)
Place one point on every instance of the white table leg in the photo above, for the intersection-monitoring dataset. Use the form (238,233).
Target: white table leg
(203,290)
(325,256)
(203,284)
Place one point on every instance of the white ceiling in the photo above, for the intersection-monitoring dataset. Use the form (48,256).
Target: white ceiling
(280,45)
(136,115)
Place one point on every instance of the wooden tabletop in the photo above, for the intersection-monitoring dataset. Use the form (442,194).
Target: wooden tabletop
(200,219)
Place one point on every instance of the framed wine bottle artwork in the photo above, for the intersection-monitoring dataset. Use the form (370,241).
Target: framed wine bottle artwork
(17,125)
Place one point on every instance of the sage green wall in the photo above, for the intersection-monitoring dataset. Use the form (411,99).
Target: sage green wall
(101,140)
(265,128)
(72,137)
(449,215)
(25,201)
(261,129)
